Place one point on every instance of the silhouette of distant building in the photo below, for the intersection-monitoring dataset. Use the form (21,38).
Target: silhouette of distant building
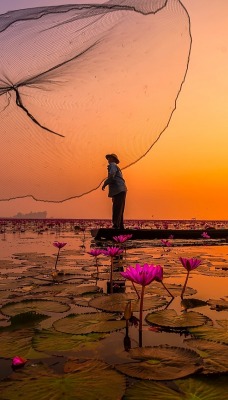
(31,215)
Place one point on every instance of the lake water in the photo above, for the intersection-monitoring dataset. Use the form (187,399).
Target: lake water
(28,284)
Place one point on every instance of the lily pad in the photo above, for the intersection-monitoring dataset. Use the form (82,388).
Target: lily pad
(161,363)
(58,278)
(214,355)
(116,276)
(192,303)
(88,323)
(215,272)
(218,305)
(211,333)
(117,302)
(53,342)
(27,318)
(8,264)
(156,288)
(16,343)
(200,388)
(90,380)
(171,320)
(36,305)
(73,290)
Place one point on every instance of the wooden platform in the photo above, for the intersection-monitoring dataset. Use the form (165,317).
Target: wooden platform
(149,234)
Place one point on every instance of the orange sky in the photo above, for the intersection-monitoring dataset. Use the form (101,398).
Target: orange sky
(185,175)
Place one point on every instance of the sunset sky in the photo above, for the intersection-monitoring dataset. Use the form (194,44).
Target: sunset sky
(185,174)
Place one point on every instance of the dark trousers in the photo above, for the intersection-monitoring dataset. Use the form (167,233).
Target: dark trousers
(118,205)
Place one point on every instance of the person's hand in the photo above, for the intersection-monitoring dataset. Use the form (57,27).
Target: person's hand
(103,187)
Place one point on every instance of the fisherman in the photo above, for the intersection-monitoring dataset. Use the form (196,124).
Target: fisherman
(117,190)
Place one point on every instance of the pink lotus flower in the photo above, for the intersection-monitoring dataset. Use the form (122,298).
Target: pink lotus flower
(166,243)
(141,274)
(205,235)
(159,273)
(122,238)
(18,362)
(112,251)
(95,252)
(159,278)
(59,245)
(190,263)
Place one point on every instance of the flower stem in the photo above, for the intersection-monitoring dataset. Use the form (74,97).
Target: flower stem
(111,270)
(127,326)
(166,289)
(56,261)
(141,316)
(136,291)
(184,287)
(96,263)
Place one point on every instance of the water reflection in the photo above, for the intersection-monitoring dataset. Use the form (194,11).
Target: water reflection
(116,346)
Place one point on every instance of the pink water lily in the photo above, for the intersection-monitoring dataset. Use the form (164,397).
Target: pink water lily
(59,245)
(141,274)
(205,235)
(18,361)
(159,278)
(112,251)
(166,243)
(122,238)
(159,273)
(95,252)
(189,264)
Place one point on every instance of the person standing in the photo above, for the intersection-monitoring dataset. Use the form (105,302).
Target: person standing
(117,190)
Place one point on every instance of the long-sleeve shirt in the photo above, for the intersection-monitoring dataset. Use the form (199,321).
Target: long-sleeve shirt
(115,180)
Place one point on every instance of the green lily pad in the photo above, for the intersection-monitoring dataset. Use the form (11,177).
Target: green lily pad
(218,305)
(16,343)
(35,305)
(215,272)
(157,288)
(53,342)
(171,320)
(214,355)
(192,303)
(73,290)
(58,278)
(117,302)
(116,276)
(88,323)
(5,264)
(9,284)
(161,363)
(211,333)
(90,380)
(200,388)
(27,318)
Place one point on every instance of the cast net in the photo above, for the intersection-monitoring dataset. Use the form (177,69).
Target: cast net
(78,81)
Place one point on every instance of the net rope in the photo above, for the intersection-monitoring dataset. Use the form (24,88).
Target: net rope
(78,81)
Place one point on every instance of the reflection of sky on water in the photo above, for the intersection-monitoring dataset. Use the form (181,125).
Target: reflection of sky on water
(208,287)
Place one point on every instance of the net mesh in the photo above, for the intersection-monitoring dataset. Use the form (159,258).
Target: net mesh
(78,81)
